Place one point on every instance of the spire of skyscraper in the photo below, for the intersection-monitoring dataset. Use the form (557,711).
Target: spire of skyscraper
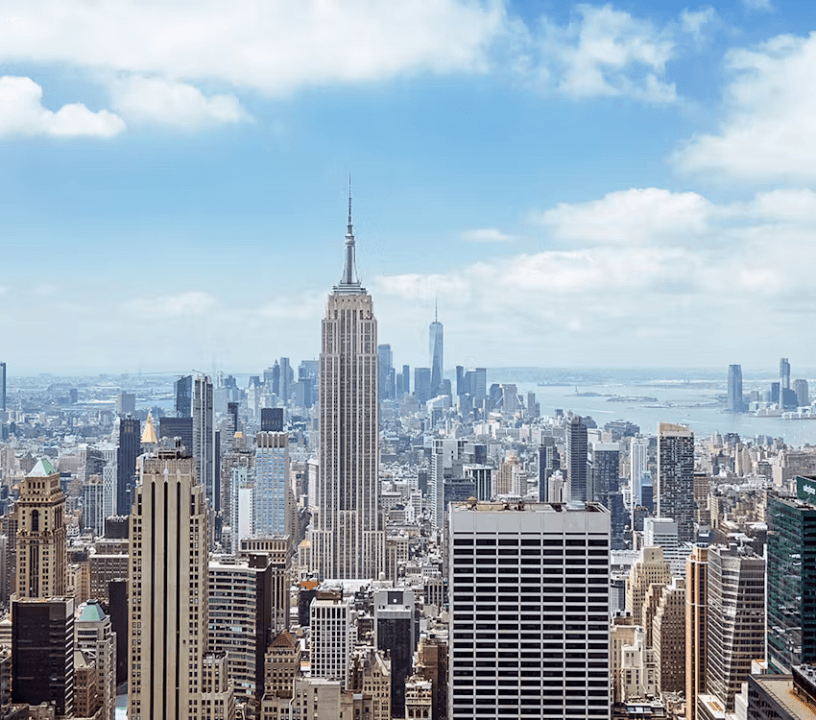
(349,279)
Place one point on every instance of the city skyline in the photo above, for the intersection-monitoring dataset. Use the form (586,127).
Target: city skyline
(563,179)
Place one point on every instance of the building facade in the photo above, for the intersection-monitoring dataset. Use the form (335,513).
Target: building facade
(576,451)
(42,653)
(696,626)
(273,497)
(168,578)
(675,478)
(792,580)
(529,614)
(736,619)
(204,440)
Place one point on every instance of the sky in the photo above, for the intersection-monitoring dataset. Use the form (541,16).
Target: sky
(630,184)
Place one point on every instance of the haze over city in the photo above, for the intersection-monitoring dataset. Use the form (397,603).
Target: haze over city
(578,185)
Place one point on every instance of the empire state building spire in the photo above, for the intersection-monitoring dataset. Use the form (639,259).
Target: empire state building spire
(349,280)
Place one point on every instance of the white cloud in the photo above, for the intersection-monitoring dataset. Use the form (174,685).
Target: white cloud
(276,47)
(693,21)
(22,113)
(273,46)
(769,128)
(605,52)
(486,235)
(173,103)
(630,217)
(644,272)
(182,304)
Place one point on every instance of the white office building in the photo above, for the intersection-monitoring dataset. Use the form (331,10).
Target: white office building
(529,632)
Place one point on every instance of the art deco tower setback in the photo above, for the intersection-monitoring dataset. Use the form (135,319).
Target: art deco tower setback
(348,539)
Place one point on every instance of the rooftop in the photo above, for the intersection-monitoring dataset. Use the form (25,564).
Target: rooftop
(43,468)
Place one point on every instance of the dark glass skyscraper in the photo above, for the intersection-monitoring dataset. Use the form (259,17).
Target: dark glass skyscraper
(42,653)
(576,449)
(130,446)
(792,579)
(184,396)
(675,477)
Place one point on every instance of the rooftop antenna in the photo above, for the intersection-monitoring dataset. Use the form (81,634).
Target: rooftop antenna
(350,268)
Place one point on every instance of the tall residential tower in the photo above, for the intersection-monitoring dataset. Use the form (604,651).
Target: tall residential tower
(675,477)
(348,539)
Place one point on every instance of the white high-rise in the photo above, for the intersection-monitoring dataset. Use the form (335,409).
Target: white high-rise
(529,621)
(348,540)
(638,464)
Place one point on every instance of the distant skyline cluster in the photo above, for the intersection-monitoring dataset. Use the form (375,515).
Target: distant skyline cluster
(584,185)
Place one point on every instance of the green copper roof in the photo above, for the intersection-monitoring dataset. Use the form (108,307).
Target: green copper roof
(92,612)
(43,468)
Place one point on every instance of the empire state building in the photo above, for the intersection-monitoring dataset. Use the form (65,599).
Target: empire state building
(348,541)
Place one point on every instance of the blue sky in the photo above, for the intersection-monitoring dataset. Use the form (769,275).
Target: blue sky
(625,184)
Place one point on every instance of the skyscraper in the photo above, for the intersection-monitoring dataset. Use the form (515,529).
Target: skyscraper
(386,361)
(3,386)
(42,653)
(605,466)
(436,354)
(800,387)
(348,539)
(736,619)
(784,373)
(184,396)
(41,534)
(576,449)
(735,389)
(272,493)
(792,579)
(675,478)
(529,626)
(287,377)
(241,609)
(638,465)
(422,385)
(95,636)
(168,580)
(696,625)
(130,445)
(204,440)
(395,631)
